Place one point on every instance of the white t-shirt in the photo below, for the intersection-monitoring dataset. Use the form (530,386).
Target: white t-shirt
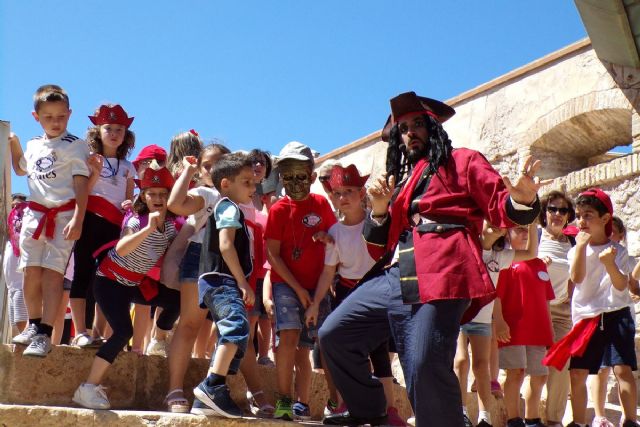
(198,220)
(349,252)
(559,268)
(494,261)
(596,294)
(51,165)
(112,184)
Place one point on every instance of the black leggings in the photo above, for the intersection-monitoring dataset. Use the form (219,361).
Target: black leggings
(115,300)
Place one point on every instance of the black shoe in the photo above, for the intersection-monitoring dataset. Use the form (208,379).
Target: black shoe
(484,423)
(629,423)
(218,399)
(467,421)
(515,422)
(345,419)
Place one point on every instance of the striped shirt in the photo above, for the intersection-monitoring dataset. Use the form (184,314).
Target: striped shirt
(147,254)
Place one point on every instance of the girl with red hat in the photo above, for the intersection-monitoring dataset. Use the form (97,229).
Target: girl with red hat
(110,185)
(121,280)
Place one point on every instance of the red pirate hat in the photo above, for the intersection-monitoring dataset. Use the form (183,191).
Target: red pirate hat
(606,201)
(345,177)
(150,152)
(157,178)
(409,102)
(111,115)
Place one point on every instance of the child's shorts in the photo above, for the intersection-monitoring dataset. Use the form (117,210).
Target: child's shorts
(527,357)
(190,264)
(47,253)
(290,314)
(17,307)
(611,344)
(477,329)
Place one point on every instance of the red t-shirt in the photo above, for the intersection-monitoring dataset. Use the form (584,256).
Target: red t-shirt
(524,290)
(294,224)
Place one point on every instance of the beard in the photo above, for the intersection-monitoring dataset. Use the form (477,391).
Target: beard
(415,154)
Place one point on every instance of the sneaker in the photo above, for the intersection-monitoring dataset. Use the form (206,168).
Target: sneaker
(40,346)
(467,421)
(394,418)
(630,423)
(266,361)
(515,422)
(601,422)
(157,348)
(411,421)
(283,409)
(331,408)
(301,411)
(484,423)
(219,399)
(25,337)
(91,396)
(83,340)
(200,408)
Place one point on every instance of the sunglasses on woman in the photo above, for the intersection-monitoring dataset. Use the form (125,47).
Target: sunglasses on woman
(555,210)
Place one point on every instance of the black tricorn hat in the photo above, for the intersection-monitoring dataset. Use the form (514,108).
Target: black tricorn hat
(409,102)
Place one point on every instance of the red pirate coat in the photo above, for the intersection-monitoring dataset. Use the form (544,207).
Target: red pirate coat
(447,256)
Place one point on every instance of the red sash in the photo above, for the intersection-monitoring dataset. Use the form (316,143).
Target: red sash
(148,287)
(348,283)
(104,208)
(573,344)
(48,220)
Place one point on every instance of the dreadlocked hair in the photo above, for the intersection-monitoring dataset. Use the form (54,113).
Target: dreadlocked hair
(438,150)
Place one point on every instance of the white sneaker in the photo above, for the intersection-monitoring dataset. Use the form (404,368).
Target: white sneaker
(601,422)
(157,348)
(25,337)
(411,421)
(91,396)
(83,340)
(40,346)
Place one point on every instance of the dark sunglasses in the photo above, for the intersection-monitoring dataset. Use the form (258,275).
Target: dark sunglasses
(554,210)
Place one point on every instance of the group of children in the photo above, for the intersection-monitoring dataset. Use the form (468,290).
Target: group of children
(210,235)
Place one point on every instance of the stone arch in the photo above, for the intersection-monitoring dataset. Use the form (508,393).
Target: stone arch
(579,132)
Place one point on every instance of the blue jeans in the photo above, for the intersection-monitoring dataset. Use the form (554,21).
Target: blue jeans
(425,337)
(224,300)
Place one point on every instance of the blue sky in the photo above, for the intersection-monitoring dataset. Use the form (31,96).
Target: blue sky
(263,73)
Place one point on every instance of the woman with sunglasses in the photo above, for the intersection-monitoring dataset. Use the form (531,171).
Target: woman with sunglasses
(556,213)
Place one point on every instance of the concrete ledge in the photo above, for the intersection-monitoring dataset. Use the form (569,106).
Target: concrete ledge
(48,416)
(133,382)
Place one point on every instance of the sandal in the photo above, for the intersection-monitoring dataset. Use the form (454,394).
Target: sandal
(176,402)
(264,411)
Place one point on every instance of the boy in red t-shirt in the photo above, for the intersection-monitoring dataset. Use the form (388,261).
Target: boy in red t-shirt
(296,227)
(523,327)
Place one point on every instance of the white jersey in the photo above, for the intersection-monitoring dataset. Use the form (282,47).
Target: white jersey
(51,165)
(349,252)
(596,294)
(494,261)
(112,184)
(199,219)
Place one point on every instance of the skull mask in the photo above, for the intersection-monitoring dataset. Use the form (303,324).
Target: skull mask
(297,178)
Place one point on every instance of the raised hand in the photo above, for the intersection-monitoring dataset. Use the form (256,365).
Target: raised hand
(154,220)
(380,193)
(608,256)
(95,163)
(526,187)
(582,238)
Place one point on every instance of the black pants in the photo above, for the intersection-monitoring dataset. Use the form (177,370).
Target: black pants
(96,232)
(115,301)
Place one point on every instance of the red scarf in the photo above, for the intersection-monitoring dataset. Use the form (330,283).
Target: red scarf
(48,220)
(400,207)
(573,344)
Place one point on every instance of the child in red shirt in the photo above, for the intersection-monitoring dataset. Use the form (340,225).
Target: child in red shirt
(296,225)
(523,326)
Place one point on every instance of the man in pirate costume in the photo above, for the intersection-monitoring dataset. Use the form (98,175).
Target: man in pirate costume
(429,271)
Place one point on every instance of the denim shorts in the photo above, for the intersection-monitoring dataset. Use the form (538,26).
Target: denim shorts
(190,264)
(224,300)
(477,329)
(290,314)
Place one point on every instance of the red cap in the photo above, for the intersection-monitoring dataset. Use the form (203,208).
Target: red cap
(345,177)
(150,152)
(570,230)
(111,115)
(157,178)
(606,201)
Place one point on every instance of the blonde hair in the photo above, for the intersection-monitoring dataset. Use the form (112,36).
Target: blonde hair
(182,145)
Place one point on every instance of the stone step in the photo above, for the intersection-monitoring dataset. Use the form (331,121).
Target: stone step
(56,416)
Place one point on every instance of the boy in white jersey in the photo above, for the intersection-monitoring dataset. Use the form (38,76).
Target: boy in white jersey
(603,326)
(57,174)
